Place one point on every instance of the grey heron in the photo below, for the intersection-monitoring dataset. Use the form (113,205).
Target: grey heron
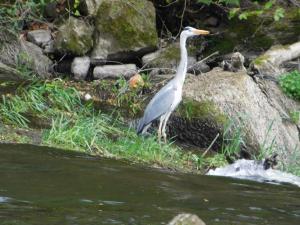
(166,100)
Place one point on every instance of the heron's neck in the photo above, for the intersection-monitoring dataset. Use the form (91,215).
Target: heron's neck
(182,68)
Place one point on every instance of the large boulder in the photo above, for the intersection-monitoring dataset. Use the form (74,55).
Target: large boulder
(124,29)
(237,96)
(74,37)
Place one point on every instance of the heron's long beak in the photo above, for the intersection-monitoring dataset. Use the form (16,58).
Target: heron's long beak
(200,32)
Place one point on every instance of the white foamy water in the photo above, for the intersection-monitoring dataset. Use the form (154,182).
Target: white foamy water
(254,170)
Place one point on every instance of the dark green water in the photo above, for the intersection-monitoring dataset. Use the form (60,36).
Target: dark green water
(44,186)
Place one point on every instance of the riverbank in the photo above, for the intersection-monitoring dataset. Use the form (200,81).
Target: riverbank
(52,113)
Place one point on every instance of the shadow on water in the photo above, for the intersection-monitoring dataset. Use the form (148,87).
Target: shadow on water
(48,186)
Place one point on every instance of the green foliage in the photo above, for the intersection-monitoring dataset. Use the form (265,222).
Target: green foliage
(227,2)
(244,14)
(76,7)
(14,13)
(278,14)
(129,99)
(290,84)
(11,111)
(233,138)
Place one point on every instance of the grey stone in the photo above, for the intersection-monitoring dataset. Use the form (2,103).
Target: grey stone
(186,219)
(125,31)
(261,109)
(74,37)
(198,68)
(39,37)
(114,71)
(80,67)
(49,47)
(33,57)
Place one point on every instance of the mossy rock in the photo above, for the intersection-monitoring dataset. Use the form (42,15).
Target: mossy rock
(168,57)
(191,110)
(124,26)
(198,123)
(74,37)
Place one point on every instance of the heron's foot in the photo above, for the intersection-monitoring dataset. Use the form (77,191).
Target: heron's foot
(159,135)
(165,137)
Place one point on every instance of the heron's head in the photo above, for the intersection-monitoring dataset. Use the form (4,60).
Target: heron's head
(190,31)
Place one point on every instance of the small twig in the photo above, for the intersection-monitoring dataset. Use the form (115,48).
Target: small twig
(159,68)
(181,21)
(211,55)
(211,144)
(171,3)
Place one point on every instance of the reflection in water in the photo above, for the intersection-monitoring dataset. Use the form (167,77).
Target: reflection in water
(56,187)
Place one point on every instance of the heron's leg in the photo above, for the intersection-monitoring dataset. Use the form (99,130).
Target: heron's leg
(164,126)
(159,127)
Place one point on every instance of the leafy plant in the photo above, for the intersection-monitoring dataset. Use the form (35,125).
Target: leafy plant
(290,84)
(11,110)
(229,2)
(232,139)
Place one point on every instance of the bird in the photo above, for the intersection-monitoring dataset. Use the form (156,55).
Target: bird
(168,97)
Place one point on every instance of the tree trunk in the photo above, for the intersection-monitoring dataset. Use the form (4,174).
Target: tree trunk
(269,62)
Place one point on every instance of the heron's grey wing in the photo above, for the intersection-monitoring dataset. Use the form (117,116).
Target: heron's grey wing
(160,104)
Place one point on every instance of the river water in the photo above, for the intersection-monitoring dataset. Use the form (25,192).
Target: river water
(40,185)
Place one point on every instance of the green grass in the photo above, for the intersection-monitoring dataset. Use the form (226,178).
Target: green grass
(100,134)
(78,127)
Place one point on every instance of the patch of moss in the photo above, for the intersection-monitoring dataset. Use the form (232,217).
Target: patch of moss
(191,109)
(171,53)
(75,37)
(260,60)
(130,23)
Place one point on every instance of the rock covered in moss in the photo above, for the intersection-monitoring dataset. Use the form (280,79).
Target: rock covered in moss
(259,115)
(74,37)
(168,57)
(124,28)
